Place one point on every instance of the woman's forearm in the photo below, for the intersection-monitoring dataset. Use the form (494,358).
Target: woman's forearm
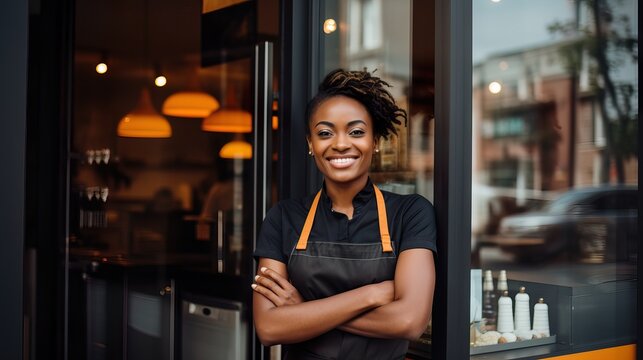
(408,314)
(300,322)
(390,321)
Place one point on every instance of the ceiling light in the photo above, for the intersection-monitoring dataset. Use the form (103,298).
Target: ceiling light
(190,104)
(330,25)
(236,149)
(160,81)
(101,68)
(143,121)
(228,120)
(495,87)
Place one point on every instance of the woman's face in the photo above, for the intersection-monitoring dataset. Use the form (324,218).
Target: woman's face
(342,140)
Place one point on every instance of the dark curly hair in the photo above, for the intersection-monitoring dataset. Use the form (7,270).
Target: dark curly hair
(369,90)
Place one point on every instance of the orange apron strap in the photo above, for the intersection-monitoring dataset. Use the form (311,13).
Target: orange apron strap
(381,216)
(308,225)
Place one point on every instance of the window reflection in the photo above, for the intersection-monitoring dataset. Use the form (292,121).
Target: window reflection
(405,162)
(554,180)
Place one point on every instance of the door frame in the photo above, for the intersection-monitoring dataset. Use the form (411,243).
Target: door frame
(14,35)
(453,69)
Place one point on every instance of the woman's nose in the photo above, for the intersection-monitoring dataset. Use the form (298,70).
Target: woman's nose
(341,143)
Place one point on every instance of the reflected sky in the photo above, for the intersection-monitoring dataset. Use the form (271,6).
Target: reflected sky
(510,25)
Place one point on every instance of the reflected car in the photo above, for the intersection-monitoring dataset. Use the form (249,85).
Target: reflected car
(597,224)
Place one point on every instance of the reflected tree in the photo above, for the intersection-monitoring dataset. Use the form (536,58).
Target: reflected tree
(606,40)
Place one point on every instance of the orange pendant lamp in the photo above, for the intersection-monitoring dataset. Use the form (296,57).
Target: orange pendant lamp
(143,121)
(191,103)
(236,149)
(228,120)
(231,118)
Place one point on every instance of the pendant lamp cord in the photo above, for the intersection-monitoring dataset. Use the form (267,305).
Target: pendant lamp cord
(146,21)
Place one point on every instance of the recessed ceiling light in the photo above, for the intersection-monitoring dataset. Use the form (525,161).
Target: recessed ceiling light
(101,68)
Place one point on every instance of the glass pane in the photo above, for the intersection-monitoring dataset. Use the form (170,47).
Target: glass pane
(161,183)
(393,40)
(153,196)
(364,40)
(554,178)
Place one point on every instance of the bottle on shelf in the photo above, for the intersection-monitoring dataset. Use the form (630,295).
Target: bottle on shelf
(102,212)
(502,283)
(489,302)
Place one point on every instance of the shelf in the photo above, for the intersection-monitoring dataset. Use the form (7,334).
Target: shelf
(512,346)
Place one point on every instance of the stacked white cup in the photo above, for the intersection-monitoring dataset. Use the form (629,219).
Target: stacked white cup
(522,310)
(541,319)
(505,314)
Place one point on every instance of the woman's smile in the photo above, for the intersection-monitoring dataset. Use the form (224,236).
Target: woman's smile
(342,162)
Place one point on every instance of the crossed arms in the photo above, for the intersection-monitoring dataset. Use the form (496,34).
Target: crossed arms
(400,308)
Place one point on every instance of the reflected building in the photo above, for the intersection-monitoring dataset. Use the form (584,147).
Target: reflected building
(537,131)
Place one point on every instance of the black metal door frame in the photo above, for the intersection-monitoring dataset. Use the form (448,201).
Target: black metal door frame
(453,22)
(14,43)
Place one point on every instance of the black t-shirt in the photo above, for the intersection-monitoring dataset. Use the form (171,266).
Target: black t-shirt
(411,221)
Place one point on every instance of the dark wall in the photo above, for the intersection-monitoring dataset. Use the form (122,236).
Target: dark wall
(13,99)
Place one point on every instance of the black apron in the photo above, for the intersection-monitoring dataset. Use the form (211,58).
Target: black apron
(319,269)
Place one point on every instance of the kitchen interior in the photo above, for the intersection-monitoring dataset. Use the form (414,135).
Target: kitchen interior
(160,167)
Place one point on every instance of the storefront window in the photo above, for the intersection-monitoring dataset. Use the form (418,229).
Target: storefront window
(554,175)
(163,179)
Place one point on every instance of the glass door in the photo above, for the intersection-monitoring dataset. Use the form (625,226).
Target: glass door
(170,174)
(394,40)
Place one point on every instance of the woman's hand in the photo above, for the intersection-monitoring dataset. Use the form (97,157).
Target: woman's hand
(276,288)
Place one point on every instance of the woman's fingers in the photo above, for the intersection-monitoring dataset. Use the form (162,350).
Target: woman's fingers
(287,291)
(277,283)
(283,283)
(268,294)
(270,284)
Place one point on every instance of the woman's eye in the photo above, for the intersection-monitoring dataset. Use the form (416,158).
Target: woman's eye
(357,132)
(324,133)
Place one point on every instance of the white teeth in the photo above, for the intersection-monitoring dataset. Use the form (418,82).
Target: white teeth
(342,160)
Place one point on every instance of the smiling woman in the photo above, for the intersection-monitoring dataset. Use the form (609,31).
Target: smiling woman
(348,273)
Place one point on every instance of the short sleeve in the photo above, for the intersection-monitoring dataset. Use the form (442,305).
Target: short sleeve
(418,225)
(269,242)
